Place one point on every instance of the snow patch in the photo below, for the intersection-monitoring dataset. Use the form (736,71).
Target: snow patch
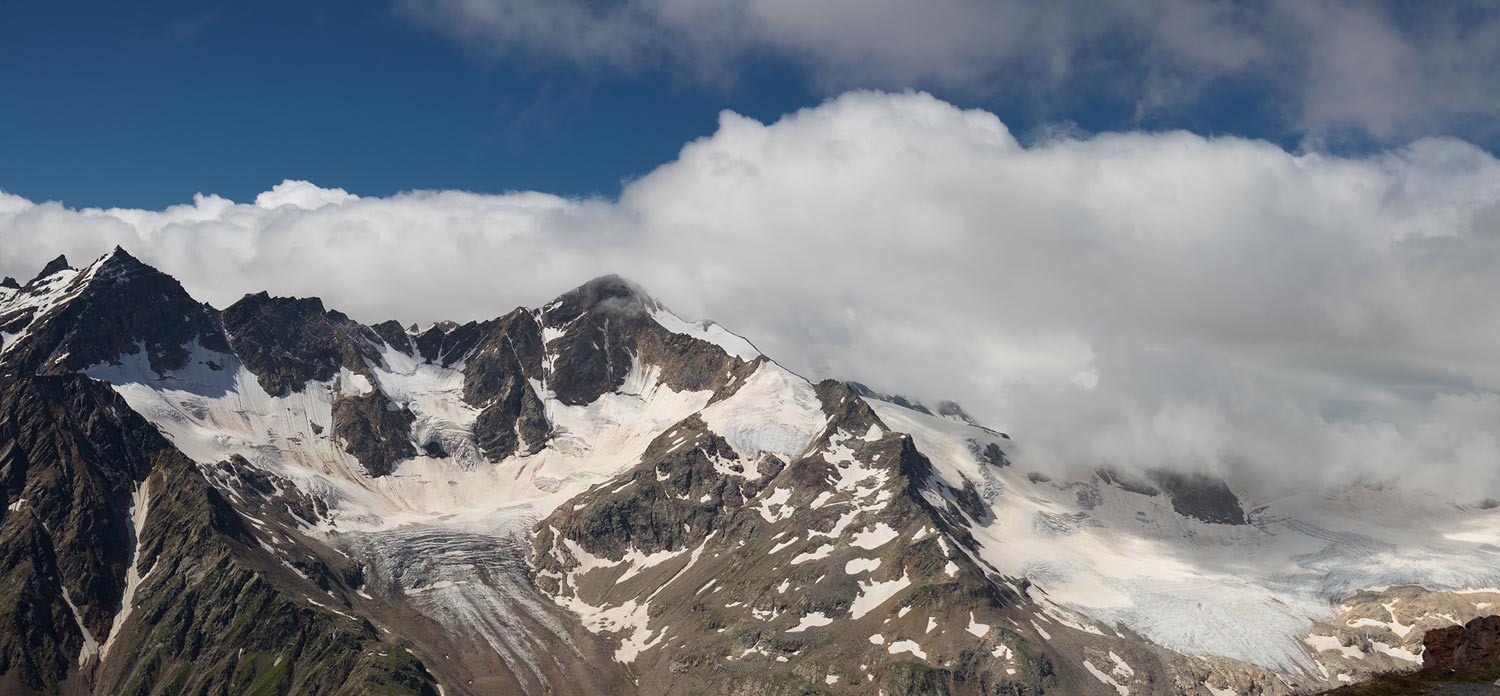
(979,630)
(876,537)
(774,507)
(819,553)
(908,646)
(1106,679)
(774,411)
(783,545)
(812,620)
(140,505)
(874,594)
(90,646)
(708,331)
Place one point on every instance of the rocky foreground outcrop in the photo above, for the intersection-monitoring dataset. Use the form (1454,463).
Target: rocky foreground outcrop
(1473,645)
(1462,660)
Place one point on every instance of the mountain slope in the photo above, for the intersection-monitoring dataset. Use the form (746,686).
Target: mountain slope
(127,571)
(743,558)
(596,496)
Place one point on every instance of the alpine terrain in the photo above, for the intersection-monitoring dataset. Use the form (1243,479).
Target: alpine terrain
(596,496)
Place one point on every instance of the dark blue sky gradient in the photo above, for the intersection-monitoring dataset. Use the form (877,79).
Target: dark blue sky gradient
(143,105)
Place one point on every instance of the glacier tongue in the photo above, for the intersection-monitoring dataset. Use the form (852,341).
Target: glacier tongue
(473,582)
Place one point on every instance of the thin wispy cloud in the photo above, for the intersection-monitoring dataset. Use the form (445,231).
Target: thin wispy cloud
(1331,68)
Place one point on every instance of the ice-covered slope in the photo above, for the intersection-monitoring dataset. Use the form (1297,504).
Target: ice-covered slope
(1122,554)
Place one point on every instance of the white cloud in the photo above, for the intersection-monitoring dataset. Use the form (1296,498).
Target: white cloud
(1328,67)
(1126,299)
(302,194)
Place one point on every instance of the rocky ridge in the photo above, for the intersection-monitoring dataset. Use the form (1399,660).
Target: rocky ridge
(596,496)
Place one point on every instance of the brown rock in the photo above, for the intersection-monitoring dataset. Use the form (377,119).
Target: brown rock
(1474,644)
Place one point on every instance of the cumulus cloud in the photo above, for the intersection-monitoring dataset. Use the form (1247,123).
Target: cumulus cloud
(1120,300)
(1332,68)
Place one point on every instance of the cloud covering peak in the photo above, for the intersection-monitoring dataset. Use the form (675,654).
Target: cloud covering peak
(1130,299)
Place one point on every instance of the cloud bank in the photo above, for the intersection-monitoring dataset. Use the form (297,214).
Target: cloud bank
(1330,68)
(1121,300)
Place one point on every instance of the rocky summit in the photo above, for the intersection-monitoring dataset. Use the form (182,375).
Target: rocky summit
(597,496)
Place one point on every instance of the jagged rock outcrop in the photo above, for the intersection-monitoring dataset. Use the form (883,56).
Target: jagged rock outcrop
(498,376)
(1474,644)
(606,326)
(54,267)
(376,430)
(1454,659)
(287,342)
(72,320)
(1200,497)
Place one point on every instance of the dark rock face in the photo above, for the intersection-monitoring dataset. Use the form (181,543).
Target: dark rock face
(507,354)
(673,503)
(1201,497)
(988,452)
(287,342)
(508,349)
(445,343)
(116,307)
(500,358)
(54,266)
(395,336)
(1125,481)
(15,320)
(1472,645)
(594,353)
(607,327)
(250,481)
(375,430)
(212,615)
(951,409)
(514,423)
(71,450)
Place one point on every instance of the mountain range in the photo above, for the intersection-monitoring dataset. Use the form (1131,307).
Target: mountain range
(596,496)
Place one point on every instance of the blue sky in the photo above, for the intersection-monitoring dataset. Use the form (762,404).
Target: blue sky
(143,105)
(118,104)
